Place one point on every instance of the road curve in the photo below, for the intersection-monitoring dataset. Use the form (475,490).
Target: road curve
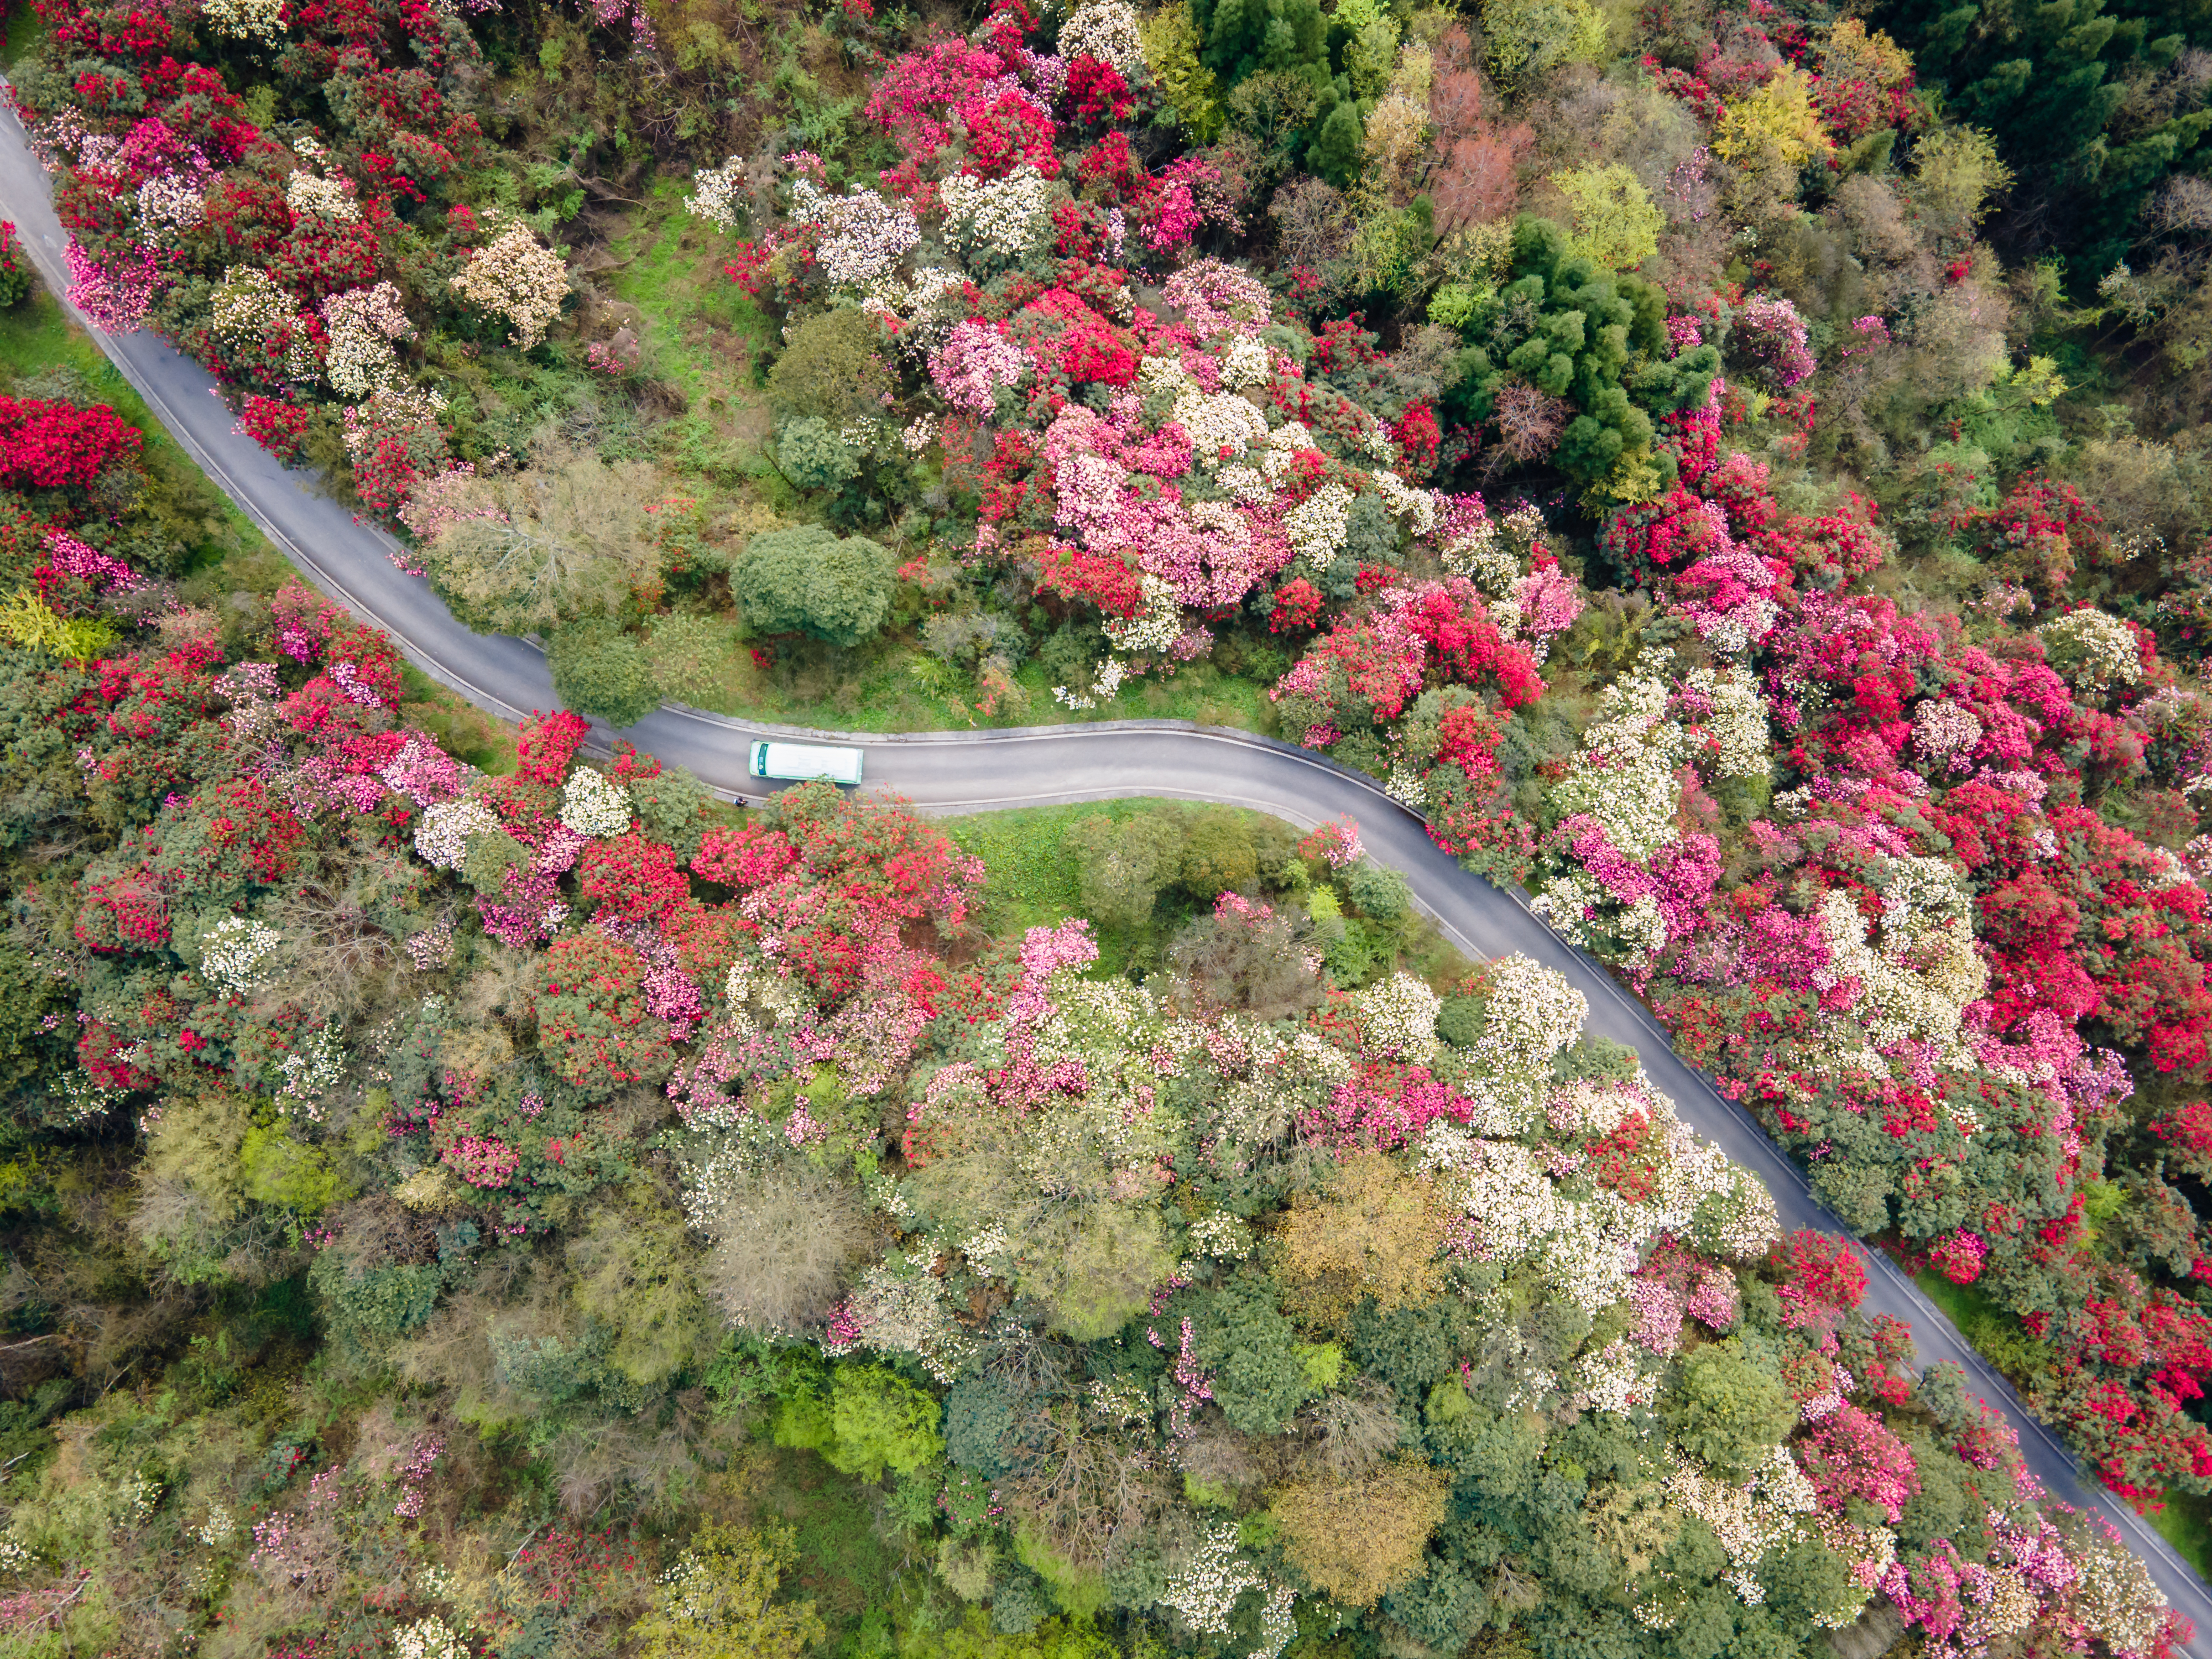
(953,772)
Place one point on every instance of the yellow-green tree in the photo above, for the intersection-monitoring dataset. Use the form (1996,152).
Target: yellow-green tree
(1171,43)
(1615,222)
(719,1600)
(1359,1539)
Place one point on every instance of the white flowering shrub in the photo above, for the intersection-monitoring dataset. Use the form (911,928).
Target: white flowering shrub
(1205,1591)
(514,277)
(362,324)
(441,834)
(2094,650)
(1398,1017)
(715,192)
(234,952)
(246,20)
(860,236)
(247,305)
(313,196)
(1106,30)
(428,1638)
(593,804)
(1008,217)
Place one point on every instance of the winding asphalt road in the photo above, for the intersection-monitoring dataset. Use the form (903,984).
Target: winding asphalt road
(954,772)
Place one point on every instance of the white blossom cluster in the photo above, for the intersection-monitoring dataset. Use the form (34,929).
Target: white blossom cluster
(1153,630)
(442,834)
(232,952)
(858,237)
(1615,1378)
(593,804)
(512,276)
(2097,651)
(715,193)
(1747,1523)
(2116,1599)
(1278,1624)
(170,204)
(1219,1233)
(1481,554)
(308,1073)
(135,1496)
(1008,216)
(1316,526)
(246,20)
(901,1310)
(1247,362)
(311,195)
(390,409)
(1106,30)
(219,1527)
(1205,1591)
(1624,775)
(1916,987)
(1533,1015)
(1417,507)
(429,1638)
(1737,722)
(1945,733)
(362,323)
(1221,427)
(1398,1017)
(246,304)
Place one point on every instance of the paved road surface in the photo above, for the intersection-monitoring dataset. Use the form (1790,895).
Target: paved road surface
(977,771)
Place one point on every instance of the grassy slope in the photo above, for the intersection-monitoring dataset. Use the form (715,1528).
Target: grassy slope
(705,336)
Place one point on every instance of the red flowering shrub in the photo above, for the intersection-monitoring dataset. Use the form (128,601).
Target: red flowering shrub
(587,995)
(751,855)
(47,446)
(278,427)
(630,876)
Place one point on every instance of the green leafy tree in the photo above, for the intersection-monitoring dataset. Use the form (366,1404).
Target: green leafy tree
(2063,88)
(832,371)
(1728,1412)
(881,1421)
(813,455)
(1335,151)
(808,580)
(1599,340)
(1122,868)
(719,1603)
(1615,222)
(1253,1354)
(599,671)
(567,536)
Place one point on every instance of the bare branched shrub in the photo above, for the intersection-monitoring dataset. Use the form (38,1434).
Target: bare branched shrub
(1529,422)
(1257,963)
(1089,1494)
(1352,1433)
(1474,176)
(784,1241)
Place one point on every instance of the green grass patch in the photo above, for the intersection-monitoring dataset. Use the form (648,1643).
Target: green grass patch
(1031,878)
(2185,1522)
(703,333)
(25,29)
(1995,1334)
(896,686)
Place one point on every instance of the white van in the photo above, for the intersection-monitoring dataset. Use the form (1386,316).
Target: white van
(803,763)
